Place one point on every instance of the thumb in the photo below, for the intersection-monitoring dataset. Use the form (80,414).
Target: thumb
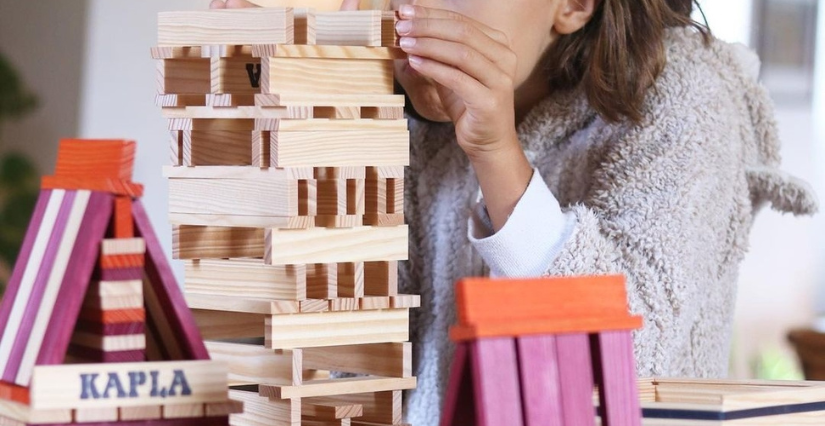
(349,5)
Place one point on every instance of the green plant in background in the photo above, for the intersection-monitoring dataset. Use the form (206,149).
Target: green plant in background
(18,176)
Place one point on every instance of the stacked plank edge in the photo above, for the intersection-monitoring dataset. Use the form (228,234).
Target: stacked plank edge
(286,183)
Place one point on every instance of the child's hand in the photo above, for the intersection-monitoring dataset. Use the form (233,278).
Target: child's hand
(474,69)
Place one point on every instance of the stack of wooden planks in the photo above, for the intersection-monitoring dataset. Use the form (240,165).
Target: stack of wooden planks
(286,193)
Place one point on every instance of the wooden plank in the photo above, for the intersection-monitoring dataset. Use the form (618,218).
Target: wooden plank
(389,37)
(496,382)
(182,411)
(351,279)
(326,76)
(338,113)
(329,409)
(322,281)
(299,112)
(383,113)
(337,328)
(68,276)
(305,26)
(228,325)
(124,226)
(260,411)
(379,407)
(171,100)
(114,316)
(88,355)
(225,100)
(173,312)
(127,384)
(380,219)
(381,359)
(322,124)
(337,387)
(327,52)
(216,148)
(95,158)
(24,414)
(459,405)
(236,75)
(339,149)
(539,378)
(226,26)
(112,186)
(114,329)
(115,294)
(115,246)
(231,221)
(381,278)
(183,76)
(251,277)
(96,415)
(322,245)
(119,261)
(116,343)
(223,408)
(232,172)
(246,305)
(615,374)
(253,364)
(236,197)
(349,28)
(332,197)
(204,242)
(260,150)
(576,378)
(151,412)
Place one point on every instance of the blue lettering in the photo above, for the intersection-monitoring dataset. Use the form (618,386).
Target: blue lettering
(180,380)
(114,383)
(136,378)
(89,390)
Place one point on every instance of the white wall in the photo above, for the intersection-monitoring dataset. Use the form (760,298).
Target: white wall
(119,91)
(730,20)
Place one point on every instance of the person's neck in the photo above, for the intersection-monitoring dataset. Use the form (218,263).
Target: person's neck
(530,93)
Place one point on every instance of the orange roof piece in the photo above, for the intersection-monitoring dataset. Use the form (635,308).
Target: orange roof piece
(513,307)
(96,165)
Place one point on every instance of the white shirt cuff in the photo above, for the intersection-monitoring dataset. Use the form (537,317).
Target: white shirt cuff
(531,239)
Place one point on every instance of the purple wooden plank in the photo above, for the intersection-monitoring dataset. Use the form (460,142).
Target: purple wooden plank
(97,355)
(119,274)
(115,329)
(615,371)
(197,421)
(76,279)
(459,407)
(496,382)
(21,341)
(576,378)
(159,274)
(23,258)
(540,387)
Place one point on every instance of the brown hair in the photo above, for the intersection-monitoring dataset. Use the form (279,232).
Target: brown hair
(617,56)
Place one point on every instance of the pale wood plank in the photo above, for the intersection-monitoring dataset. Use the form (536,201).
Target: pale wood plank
(326,76)
(322,245)
(337,328)
(249,277)
(226,26)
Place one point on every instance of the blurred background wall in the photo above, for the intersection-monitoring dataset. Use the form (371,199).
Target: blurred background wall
(88,61)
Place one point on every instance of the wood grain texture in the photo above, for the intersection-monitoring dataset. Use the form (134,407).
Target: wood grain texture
(182,411)
(95,158)
(326,76)
(336,387)
(228,325)
(151,412)
(351,279)
(299,101)
(325,408)
(254,364)
(234,197)
(322,281)
(231,221)
(184,77)
(381,278)
(259,410)
(348,28)
(379,407)
(321,245)
(380,359)
(224,26)
(73,183)
(576,378)
(496,382)
(327,52)
(539,378)
(111,246)
(247,305)
(124,226)
(322,124)
(231,172)
(217,148)
(113,316)
(252,278)
(337,328)
(22,413)
(615,374)
(299,112)
(235,75)
(339,149)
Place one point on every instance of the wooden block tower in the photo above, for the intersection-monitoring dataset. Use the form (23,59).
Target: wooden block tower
(531,353)
(288,150)
(95,328)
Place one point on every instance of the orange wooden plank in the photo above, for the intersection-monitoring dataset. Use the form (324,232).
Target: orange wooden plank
(115,316)
(116,261)
(13,392)
(114,186)
(484,300)
(95,158)
(542,326)
(124,224)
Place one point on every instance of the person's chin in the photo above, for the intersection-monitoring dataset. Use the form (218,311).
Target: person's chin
(422,93)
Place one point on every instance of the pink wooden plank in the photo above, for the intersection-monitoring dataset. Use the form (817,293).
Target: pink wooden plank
(23,257)
(76,279)
(115,329)
(21,341)
(615,371)
(198,421)
(540,387)
(159,274)
(496,382)
(119,274)
(459,407)
(576,378)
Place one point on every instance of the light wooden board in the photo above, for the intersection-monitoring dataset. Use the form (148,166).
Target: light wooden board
(322,5)
(225,26)
(236,197)
(113,246)
(326,76)
(232,221)
(337,328)
(348,28)
(327,52)
(254,364)
(300,100)
(339,149)
(251,278)
(322,245)
(315,388)
(379,407)
(24,414)
(231,172)
(329,125)
(228,325)
(206,242)
(128,342)
(216,148)
(244,112)
(151,412)
(381,359)
(248,305)
(79,386)
(325,408)
(260,411)
(183,76)
(236,75)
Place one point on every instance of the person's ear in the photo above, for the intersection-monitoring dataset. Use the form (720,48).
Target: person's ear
(573,15)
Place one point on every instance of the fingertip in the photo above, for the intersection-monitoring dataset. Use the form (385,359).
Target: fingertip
(238,4)
(217,4)
(349,5)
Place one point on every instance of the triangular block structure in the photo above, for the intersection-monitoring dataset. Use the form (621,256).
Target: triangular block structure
(95,328)
(531,352)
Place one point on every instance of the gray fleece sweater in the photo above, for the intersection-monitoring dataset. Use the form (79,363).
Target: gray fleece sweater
(668,203)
